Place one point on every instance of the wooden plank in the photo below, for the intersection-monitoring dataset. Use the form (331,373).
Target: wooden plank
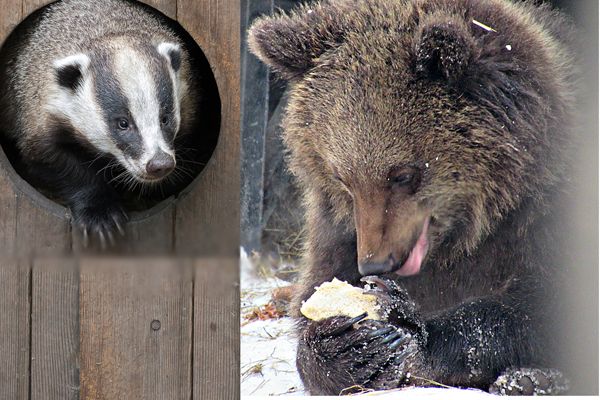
(14,330)
(136,329)
(30,224)
(148,233)
(54,330)
(207,220)
(30,6)
(216,329)
(167,7)
(41,229)
(10,17)
(8,210)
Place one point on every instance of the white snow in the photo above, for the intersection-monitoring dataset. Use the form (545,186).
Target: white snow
(268,348)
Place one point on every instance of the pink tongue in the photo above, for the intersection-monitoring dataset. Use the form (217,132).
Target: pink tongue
(412,265)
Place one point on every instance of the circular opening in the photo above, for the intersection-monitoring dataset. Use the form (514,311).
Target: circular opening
(193,148)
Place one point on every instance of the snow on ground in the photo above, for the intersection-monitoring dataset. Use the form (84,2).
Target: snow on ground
(268,350)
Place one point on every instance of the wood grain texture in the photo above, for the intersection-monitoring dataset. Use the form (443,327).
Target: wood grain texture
(29,224)
(208,219)
(216,329)
(8,213)
(167,7)
(147,233)
(30,6)
(39,230)
(10,16)
(14,330)
(136,329)
(54,330)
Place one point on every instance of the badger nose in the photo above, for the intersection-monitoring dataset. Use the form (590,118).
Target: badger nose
(160,165)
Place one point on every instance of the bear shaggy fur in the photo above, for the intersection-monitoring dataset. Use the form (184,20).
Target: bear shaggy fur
(431,141)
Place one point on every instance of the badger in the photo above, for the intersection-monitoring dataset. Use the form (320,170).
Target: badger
(93,96)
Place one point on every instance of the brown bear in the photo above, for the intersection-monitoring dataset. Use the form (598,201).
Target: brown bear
(431,141)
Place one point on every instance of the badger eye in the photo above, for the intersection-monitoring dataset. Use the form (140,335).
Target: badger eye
(164,120)
(123,124)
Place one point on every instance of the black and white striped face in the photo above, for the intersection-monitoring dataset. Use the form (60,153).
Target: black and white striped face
(124,100)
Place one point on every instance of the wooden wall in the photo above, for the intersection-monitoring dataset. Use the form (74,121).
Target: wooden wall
(118,327)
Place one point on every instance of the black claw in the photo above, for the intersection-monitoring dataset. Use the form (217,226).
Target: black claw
(380,332)
(390,337)
(348,324)
(398,342)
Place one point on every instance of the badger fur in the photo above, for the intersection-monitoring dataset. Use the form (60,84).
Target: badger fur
(93,96)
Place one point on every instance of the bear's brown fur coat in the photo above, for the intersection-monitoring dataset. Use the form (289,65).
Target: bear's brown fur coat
(437,126)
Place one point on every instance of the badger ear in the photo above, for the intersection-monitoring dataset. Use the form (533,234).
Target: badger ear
(172,52)
(291,44)
(70,70)
(444,49)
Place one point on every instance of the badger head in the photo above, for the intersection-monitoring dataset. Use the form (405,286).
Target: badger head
(122,98)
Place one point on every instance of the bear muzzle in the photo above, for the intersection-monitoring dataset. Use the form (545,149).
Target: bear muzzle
(382,249)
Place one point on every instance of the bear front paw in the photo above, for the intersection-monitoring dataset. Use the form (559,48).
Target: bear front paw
(341,354)
(396,306)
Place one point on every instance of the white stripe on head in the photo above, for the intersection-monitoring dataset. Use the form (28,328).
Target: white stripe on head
(82,61)
(167,50)
(138,85)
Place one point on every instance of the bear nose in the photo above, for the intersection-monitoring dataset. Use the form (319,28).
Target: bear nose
(160,165)
(375,267)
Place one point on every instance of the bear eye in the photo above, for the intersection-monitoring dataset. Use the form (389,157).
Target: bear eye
(404,178)
(123,124)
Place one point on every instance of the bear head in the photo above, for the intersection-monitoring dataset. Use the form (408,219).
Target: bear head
(425,124)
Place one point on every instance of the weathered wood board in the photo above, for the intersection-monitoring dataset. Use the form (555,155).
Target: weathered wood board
(136,329)
(152,328)
(207,220)
(216,329)
(54,330)
(14,330)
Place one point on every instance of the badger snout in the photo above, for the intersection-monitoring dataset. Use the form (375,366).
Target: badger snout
(161,165)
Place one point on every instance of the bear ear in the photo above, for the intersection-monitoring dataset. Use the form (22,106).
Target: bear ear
(444,49)
(291,44)
(70,70)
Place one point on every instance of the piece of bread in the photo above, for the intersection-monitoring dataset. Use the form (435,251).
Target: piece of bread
(339,298)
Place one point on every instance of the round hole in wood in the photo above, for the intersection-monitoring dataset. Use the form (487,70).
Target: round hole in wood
(193,151)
